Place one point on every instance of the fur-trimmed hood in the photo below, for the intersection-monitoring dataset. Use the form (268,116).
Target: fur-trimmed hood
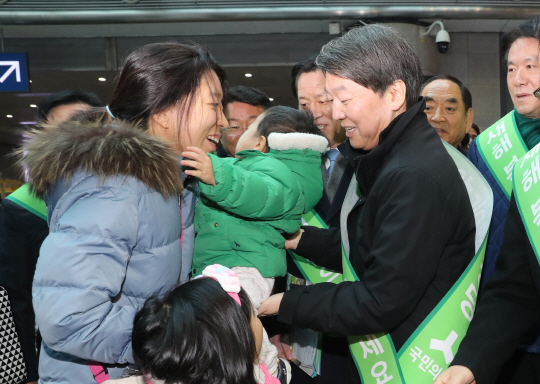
(297,140)
(55,153)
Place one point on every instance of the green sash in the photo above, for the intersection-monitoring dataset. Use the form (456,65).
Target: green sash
(501,146)
(314,274)
(432,347)
(310,270)
(527,193)
(26,199)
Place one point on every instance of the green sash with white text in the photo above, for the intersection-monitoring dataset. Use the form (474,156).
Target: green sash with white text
(501,146)
(314,274)
(26,199)
(310,270)
(432,347)
(527,193)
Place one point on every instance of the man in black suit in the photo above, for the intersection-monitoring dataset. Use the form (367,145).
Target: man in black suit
(308,85)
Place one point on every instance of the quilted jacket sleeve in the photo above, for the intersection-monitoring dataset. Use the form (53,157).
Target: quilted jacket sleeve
(267,191)
(80,272)
(189,200)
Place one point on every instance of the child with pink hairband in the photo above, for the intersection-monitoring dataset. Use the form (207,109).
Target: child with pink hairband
(204,331)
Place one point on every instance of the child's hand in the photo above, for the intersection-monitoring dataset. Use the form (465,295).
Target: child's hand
(284,349)
(201,164)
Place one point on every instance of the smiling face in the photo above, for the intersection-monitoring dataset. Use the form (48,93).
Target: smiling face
(251,139)
(523,76)
(363,113)
(446,112)
(240,116)
(312,96)
(201,127)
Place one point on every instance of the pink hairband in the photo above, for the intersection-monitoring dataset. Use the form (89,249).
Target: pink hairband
(226,278)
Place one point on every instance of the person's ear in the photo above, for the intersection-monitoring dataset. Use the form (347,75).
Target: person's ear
(162,119)
(470,118)
(261,145)
(397,92)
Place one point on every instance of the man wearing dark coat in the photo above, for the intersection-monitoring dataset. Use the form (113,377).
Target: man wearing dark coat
(308,86)
(502,344)
(406,221)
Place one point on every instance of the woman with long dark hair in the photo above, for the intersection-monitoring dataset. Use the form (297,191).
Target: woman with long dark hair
(120,223)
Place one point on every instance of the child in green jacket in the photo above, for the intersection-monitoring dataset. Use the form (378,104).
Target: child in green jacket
(248,202)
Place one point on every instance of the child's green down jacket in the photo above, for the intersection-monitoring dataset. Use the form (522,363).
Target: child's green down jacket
(240,221)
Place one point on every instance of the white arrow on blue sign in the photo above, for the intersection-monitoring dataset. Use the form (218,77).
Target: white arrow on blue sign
(13,72)
(13,66)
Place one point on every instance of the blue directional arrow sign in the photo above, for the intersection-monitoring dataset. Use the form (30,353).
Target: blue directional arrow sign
(13,72)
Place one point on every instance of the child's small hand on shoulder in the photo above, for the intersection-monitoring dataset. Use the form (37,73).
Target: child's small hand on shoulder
(201,164)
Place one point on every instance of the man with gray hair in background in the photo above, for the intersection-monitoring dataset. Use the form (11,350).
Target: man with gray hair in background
(407,223)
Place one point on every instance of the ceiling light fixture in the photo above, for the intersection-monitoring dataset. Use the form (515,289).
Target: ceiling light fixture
(248,75)
(9,116)
(271,99)
(30,80)
(33,106)
(102,79)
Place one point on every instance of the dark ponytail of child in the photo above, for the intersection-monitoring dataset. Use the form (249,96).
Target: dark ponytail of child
(197,334)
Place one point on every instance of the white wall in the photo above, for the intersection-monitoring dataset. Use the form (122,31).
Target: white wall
(474,59)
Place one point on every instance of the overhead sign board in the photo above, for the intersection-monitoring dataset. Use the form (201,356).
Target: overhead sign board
(13,72)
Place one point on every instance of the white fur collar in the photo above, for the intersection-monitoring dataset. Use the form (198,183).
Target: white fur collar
(297,140)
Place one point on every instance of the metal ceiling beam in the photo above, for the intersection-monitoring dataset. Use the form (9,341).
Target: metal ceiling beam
(510,10)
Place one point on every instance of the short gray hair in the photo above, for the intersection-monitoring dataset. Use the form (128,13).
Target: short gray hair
(374,56)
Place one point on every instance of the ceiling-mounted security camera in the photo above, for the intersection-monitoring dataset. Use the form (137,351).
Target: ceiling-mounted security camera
(443,41)
(443,37)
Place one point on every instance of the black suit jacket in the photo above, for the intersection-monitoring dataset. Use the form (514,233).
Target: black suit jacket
(328,210)
(509,307)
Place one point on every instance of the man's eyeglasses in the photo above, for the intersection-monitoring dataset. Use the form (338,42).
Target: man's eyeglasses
(537,93)
(233,128)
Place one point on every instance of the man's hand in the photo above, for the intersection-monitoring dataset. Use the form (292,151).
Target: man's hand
(283,349)
(292,241)
(457,374)
(201,164)
(270,306)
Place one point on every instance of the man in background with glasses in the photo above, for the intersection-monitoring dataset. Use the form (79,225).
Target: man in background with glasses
(241,106)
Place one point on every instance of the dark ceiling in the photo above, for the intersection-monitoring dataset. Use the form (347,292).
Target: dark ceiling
(72,43)
(273,80)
